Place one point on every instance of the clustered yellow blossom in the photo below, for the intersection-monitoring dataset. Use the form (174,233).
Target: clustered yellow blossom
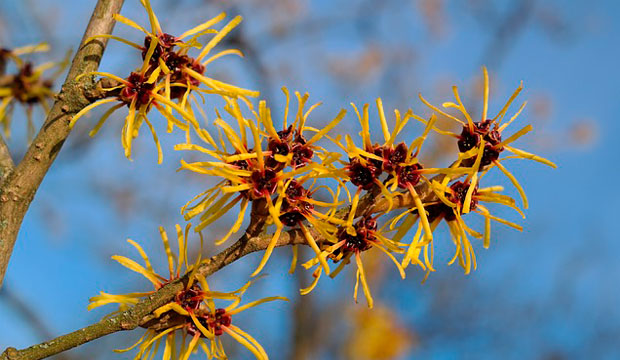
(271,169)
(386,168)
(168,78)
(343,204)
(27,86)
(192,316)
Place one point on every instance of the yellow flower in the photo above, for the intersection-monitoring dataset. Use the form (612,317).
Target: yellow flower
(176,268)
(210,322)
(28,86)
(252,172)
(487,134)
(347,246)
(166,74)
(182,71)
(450,208)
(399,161)
(191,313)
(149,343)
(298,207)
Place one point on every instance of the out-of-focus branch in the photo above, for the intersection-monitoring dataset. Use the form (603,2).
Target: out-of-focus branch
(253,240)
(304,326)
(29,315)
(20,186)
(509,28)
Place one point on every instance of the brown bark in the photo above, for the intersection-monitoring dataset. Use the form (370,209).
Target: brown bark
(6,162)
(21,182)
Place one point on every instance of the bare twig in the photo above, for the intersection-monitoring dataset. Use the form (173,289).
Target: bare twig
(509,28)
(29,315)
(20,186)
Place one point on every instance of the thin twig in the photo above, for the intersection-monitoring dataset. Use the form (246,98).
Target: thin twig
(20,186)
(29,314)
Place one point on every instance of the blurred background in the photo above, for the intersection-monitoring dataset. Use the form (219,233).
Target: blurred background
(549,292)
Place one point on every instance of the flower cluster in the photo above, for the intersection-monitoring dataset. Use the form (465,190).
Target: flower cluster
(270,171)
(296,178)
(445,196)
(193,313)
(480,145)
(168,78)
(27,86)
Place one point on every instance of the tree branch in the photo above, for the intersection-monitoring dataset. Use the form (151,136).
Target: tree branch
(28,313)
(253,240)
(20,186)
(6,162)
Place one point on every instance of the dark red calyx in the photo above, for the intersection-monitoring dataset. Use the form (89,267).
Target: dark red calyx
(294,208)
(492,137)
(363,238)
(458,192)
(273,164)
(191,298)
(264,183)
(193,330)
(295,191)
(167,41)
(218,320)
(165,44)
(362,175)
(468,140)
(241,164)
(286,135)
(197,67)
(26,70)
(176,62)
(299,138)
(291,218)
(489,155)
(278,147)
(294,215)
(408,175)
(137,89)
(25,88)
(394,156)
(302,155)
(377,164)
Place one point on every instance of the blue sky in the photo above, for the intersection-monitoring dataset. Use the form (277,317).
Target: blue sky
(552,289)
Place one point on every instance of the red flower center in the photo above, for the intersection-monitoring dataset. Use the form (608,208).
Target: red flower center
(137,89)
(408,175)
(302,154)
(264,183)
(362,175)
(362,240)
(218,320)
(492,137)
(190,299)
(394,156)
(457,195)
